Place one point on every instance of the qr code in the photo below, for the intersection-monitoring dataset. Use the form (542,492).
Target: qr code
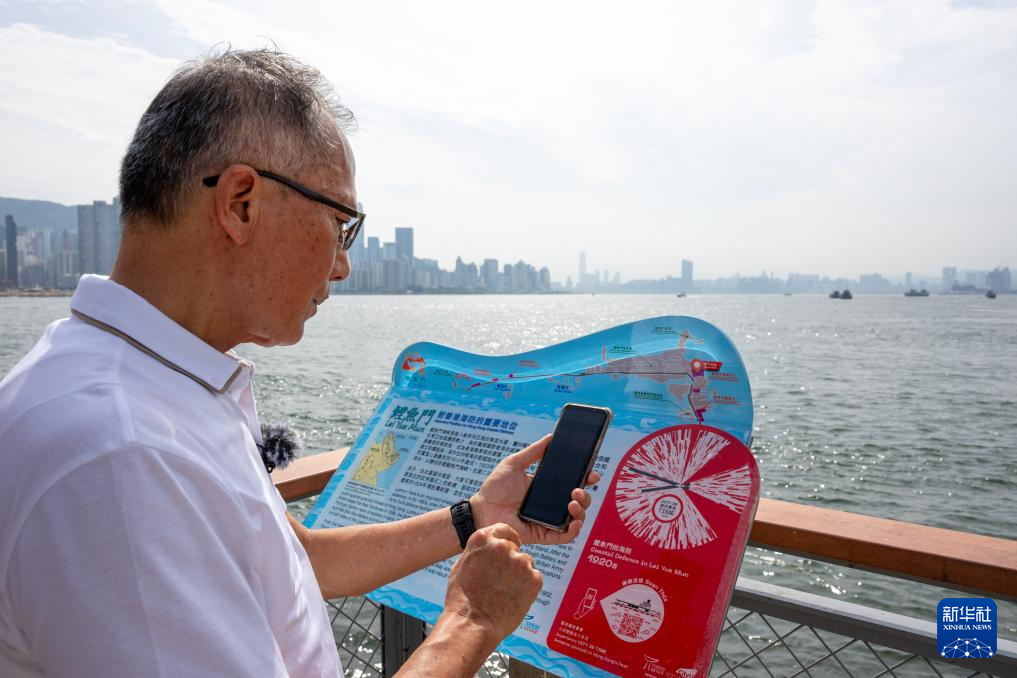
(630,625)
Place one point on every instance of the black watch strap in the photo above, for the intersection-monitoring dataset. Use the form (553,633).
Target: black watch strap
(462,521)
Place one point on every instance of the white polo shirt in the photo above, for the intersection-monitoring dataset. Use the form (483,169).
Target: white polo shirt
(141,534)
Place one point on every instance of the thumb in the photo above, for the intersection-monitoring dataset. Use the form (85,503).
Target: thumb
(528,455)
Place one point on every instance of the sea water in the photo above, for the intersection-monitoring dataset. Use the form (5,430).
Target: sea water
(903,408)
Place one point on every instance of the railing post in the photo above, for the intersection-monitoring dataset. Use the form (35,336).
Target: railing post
(401,634)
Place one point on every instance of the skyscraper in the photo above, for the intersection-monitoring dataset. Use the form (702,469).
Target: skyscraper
(358,250)
(374,249)
(107,224)
(393,273)
(86,239)
(98,236)
(686,275)
(11,243)
(582,270)
(949,277)
(998,279)
(489,273)
(404,244)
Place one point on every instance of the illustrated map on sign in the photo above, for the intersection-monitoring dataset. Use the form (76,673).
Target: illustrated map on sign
(687,379)
(381,463)
(669,519)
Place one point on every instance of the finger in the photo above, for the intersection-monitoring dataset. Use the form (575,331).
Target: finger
(577,510)
(573,530)
(529,455)
(593,478)
(503,531)
(583,497)
(498,531)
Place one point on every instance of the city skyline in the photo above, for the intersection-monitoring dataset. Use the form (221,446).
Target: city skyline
(803,137)
(54,257)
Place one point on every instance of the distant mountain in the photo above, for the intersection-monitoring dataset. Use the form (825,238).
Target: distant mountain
(40,214)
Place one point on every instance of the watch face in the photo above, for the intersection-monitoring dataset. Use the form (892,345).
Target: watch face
(671,487)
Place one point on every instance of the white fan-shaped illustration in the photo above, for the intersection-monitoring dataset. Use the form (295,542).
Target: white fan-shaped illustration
(655,483)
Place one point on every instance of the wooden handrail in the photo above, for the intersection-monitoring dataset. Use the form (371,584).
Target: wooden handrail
(971,562)
(307,476)
(962,560)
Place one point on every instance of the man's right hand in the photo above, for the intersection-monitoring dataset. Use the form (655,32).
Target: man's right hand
(494,583)
(490,589)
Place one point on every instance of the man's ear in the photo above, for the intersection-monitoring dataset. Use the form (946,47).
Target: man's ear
(239,194)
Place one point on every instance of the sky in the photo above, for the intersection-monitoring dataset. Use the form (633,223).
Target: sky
(836,138)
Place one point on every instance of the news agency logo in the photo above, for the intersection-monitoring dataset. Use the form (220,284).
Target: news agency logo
(966,628)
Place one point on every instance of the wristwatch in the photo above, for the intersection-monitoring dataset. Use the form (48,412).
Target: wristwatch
(462,521)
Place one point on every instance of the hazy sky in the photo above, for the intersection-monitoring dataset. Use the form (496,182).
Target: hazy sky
(791,136)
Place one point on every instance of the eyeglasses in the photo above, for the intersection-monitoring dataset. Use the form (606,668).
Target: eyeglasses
(348,230)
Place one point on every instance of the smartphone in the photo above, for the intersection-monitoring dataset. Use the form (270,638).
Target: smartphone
(566,464)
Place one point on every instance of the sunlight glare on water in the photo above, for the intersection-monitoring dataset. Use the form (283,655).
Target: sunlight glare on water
(887,406)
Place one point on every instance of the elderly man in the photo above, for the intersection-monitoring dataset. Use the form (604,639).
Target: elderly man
(142,535)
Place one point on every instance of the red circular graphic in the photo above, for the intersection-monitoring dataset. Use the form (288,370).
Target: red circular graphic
(686,465)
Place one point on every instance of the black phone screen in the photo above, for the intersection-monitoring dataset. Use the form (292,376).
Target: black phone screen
(564,464)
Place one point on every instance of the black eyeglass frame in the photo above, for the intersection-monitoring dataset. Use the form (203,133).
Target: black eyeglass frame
(347,236)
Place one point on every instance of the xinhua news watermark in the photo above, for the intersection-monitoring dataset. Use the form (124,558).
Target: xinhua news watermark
(966,628)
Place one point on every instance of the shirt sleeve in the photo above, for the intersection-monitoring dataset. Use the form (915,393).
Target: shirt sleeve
(139,564)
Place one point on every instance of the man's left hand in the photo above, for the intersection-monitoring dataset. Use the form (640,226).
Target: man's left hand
(501,495)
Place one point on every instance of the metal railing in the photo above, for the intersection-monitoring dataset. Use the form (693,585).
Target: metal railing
(777,631)
(770,630)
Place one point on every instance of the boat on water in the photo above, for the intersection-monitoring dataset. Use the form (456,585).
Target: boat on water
(915,293)
(990,295)
(836,294)
(681,295)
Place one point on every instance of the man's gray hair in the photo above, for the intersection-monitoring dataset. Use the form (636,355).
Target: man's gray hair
(261,107)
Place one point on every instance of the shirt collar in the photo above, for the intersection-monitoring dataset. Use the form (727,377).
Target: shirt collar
(113,308)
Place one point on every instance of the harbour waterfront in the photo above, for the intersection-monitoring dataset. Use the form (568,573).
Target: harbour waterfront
(884,405)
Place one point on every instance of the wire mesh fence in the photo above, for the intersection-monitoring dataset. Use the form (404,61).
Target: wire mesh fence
(356,625)
(751,644)
(755,644)
(358,630)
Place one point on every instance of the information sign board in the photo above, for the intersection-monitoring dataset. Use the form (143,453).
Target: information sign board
(644,588)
